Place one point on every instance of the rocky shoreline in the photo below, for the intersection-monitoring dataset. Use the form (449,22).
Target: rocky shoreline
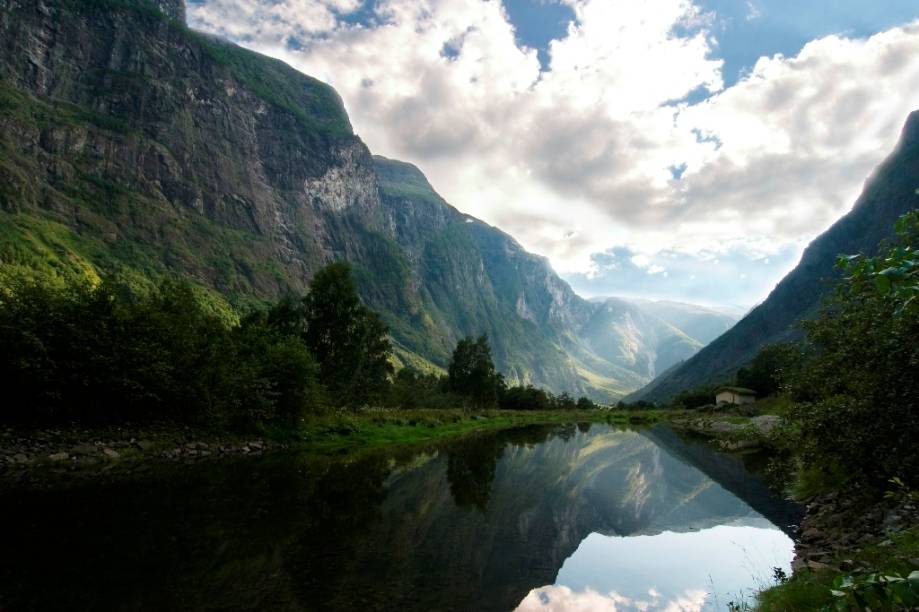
(836,527)
(32,455)
(740,433)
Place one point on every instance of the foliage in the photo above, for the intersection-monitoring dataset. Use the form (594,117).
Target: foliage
(772,367)
(525,398)
(284,360)
(894,274)
(901,492)
(585,403)
(876,591)
(348,339)
(100,354)
(857,395)
(691,399)
(471,373)
(896,587)
(638,405)
(411,389)
(94,349)
(532,398)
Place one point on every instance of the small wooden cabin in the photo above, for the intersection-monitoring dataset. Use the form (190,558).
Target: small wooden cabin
(734,395)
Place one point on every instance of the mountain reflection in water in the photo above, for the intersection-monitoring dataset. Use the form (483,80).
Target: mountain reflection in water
(544,518)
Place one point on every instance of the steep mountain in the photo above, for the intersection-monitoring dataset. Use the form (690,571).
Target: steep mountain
(700,323)
(889,192)
(650,336)
(133,147)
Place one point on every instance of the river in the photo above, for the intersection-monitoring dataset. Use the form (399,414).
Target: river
(562,518)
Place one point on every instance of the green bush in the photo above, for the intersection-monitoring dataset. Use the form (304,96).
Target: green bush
(857,395)
(101,355)
(771,369)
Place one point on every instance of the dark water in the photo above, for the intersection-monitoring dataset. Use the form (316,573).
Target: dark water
(542,518)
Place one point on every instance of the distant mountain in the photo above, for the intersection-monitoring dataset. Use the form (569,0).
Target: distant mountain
(133,147)
(890,192)
(650,336)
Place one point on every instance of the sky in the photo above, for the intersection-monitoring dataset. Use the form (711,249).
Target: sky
(668,149)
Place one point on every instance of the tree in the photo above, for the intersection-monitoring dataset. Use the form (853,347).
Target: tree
(276,374)
(770,368)
(526,398)
(858,395)
(348,340)
(471,373)
(690,399)
(585,403)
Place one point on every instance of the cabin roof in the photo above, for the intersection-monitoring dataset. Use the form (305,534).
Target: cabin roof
(737,390)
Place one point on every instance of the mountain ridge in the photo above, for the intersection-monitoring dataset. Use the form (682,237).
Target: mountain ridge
(889,192)
(135,148)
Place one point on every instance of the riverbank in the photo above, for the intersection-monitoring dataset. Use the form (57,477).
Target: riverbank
(28,455)
(852,553)
(854,548)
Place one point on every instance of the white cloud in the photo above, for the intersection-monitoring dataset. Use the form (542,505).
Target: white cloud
(560,598)
(576,159)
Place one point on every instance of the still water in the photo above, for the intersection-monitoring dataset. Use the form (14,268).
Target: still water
(558,518)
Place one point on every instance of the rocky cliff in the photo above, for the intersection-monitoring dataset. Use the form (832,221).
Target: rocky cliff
(133,147)
(890,192)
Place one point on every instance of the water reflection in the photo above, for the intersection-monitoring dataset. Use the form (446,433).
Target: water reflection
(669,571)
(552,517)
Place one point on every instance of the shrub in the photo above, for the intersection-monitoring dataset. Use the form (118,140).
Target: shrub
(857,395)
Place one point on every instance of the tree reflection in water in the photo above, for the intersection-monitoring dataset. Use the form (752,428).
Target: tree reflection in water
(473,524)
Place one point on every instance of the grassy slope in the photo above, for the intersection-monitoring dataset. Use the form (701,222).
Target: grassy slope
(117,231)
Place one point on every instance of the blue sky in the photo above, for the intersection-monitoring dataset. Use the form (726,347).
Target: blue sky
(671,149)
(745,31)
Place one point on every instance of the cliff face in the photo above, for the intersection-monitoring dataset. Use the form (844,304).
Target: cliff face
(125,126)
(888,194)
(134,147)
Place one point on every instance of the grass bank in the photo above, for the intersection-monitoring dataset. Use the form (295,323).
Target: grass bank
(377,428)
(31,454)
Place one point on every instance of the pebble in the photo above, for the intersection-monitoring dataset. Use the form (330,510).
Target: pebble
(58,456)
